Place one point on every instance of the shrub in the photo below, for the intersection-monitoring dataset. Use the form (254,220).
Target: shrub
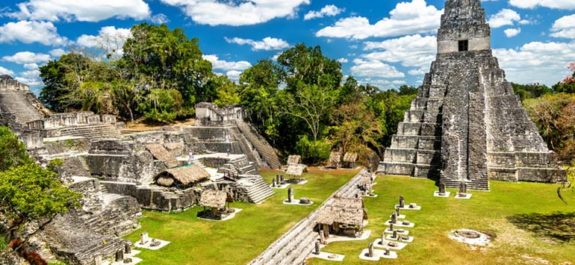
(313,152)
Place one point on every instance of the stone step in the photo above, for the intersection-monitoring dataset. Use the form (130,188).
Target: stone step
(17,103)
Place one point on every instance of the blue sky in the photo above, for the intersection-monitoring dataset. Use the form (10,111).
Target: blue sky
(385,43)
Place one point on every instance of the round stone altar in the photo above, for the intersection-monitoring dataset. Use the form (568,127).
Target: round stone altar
(470,237)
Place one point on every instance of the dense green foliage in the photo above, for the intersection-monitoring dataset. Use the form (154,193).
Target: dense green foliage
(29,193)
(160,77)
(12,150)
(301,101)
(553,111)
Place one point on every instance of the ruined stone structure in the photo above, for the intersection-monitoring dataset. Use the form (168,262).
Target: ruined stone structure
(466,124)
(118,173)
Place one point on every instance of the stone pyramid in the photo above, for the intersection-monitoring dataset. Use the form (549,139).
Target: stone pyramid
(466,124)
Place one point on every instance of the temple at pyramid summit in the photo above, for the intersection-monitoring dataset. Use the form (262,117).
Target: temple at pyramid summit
(466,125)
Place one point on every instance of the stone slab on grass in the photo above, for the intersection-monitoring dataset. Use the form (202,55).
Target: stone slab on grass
(377,255)
(162,244)
(328,256)
(398,245)
(440,195)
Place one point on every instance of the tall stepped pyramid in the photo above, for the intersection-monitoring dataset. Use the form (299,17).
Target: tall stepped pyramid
(466,124)
(15,98)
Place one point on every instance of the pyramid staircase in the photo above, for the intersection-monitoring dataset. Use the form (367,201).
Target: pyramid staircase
(257,189)
(261,145)
(16,103)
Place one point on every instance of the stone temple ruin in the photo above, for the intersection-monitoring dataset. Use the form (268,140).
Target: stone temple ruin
(466,124)
(121,173)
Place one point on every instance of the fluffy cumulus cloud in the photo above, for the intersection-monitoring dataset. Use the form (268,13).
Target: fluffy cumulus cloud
(564,27)
(5,71)
(326,11)
(266,44)
(109,39)
(82,10)
(557,4)
(505,17)
(57,52)
(410,51)
(512,32)
(541,62)
(406,18)
(27,58)
(31,32)
(238,12)
(30,77)
(230,68)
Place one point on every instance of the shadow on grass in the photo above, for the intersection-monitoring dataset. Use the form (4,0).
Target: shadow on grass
(557,226)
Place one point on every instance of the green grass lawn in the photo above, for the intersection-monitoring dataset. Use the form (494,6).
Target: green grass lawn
(500,212)
(241,239)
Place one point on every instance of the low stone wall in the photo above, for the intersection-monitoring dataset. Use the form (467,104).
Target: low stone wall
(156,198)
(296,244)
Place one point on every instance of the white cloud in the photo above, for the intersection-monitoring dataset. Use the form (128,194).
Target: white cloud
(537,62)
(30,32)
(238,12)
(512,32)
(5,71)
(160,19)
(232,69)
(30,77)
(375,69)
(326,11)
(82,10)
(343,60)
(57,52)
(410,51)
(556,4)
(267,44)
(505,17)
(406,18)
(564,27)
(109,39)
(27,58)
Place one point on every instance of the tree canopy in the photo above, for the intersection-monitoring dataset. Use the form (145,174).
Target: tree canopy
(29,193)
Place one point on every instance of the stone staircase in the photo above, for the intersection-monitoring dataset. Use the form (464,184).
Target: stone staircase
(257,189)
(261,145)
(294,246)
(415,149)
(16,103)
(104,248)
(243,166)
(92,131)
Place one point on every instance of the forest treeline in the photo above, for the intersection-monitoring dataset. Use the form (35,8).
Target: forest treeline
(301,101)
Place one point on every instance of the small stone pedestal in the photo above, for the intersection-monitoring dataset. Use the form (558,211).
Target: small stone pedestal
(441,195)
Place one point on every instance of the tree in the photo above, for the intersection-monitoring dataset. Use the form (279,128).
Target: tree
(304,65)
(162,105)
(312,104)
(258,90)
(29,194)
(227,92)
(167,59)
(61,78)
(358,129)
(530,90)
(12,150)
(554,115)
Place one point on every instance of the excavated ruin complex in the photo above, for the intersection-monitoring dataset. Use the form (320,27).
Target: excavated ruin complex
(119,173)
